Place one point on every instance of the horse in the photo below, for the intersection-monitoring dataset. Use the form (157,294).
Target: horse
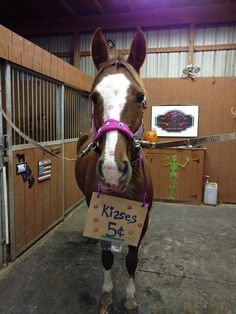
(116,163)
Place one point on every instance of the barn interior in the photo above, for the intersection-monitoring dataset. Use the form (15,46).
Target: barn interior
(46,77)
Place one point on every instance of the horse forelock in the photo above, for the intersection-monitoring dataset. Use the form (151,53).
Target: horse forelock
(116,63)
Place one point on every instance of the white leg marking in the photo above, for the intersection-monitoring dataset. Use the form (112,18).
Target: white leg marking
(130,289)
(107,284)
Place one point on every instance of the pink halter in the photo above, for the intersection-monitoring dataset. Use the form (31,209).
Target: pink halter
(114,125)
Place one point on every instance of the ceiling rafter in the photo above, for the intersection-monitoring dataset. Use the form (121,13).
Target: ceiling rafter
(130,5)
(68,8)
(203,14)
(11,9)
(98,5)
(38,8)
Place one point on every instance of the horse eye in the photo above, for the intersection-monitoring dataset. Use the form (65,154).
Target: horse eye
(141,99)
(94,98)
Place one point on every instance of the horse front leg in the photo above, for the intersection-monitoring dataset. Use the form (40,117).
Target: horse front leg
(105,306)
(131,304)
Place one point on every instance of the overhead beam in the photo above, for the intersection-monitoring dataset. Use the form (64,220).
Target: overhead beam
(38,8)
(174,49)
(130,5)
(156,18)
(98,5)
(68,8)
(6,6)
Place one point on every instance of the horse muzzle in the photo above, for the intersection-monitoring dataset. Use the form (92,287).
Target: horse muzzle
(113,177)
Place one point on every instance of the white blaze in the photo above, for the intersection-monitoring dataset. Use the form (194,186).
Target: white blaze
(113,89)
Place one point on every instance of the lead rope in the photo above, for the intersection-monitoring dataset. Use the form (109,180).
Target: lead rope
(30,140)
(145,181)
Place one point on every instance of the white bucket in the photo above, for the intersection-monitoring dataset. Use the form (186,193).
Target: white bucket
(210,193)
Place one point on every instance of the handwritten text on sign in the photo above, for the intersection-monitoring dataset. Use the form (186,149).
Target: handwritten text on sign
(113,218)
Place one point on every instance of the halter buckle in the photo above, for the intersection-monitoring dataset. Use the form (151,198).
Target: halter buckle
(137,144)
(87,150)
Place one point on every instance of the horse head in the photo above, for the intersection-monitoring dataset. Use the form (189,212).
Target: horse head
(118,98)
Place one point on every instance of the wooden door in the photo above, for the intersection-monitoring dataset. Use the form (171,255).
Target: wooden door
(177,174)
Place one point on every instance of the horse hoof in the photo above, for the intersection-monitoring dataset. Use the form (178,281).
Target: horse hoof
(106,303)
(131,306)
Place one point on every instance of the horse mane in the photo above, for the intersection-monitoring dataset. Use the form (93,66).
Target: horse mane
(118,62)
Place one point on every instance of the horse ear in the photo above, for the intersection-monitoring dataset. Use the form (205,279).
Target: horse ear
(138,50)
(99,50)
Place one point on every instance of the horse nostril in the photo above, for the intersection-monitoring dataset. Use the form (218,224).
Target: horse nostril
(99,170)
(124,169)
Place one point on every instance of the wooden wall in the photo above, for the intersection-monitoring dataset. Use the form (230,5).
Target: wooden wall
(21,51)
(215,97)
(38,208)
(72,192)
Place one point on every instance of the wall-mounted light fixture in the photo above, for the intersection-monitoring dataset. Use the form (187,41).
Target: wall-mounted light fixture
(190,71)
(111,44)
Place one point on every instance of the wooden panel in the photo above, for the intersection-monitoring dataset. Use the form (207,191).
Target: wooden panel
(39,227)
(72,192)
(39,207)
(19,204)
(187,182)
(56,197)
(29,202)
(22,52)
(215,97)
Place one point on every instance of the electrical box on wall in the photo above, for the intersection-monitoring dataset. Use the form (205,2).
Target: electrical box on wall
(21,167)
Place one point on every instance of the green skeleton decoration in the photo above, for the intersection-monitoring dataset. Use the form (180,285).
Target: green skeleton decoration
(174,165)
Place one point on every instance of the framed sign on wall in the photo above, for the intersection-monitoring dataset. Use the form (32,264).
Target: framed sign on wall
(175,120)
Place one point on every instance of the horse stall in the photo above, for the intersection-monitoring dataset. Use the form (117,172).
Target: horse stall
(106,162)
(40,184)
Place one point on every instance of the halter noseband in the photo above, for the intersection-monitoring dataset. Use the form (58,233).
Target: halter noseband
(114,125)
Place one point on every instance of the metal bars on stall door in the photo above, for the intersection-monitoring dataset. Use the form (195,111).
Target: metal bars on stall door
(34,106)
(77,113)
(37,108)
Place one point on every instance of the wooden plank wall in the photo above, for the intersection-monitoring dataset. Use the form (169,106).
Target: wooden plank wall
(21,51)
(215,97)
(72,192)
(39,207)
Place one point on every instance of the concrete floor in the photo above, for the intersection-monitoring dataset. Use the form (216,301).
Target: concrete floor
(187,265)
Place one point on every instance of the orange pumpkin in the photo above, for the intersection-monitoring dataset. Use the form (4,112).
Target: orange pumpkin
(151,136)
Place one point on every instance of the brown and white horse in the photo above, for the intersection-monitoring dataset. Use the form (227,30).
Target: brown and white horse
(116,165)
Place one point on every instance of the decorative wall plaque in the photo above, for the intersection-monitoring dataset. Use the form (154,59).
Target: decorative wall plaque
(175,121)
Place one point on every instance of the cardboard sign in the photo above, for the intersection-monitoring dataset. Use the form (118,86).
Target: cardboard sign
(113,218)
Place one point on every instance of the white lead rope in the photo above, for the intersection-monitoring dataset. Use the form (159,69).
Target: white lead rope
(145,144)
(30,140)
